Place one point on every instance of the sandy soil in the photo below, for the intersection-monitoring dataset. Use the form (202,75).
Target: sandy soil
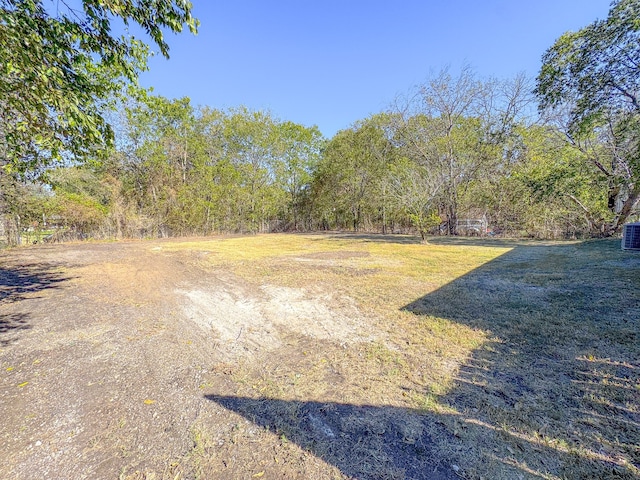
(105,348)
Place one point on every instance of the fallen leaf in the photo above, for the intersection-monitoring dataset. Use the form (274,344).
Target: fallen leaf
(259,474)
(149,402)
(22,384)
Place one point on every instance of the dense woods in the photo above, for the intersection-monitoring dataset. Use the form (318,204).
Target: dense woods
(457,155)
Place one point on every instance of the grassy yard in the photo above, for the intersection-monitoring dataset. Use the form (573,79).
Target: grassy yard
(520,358)
(320,356)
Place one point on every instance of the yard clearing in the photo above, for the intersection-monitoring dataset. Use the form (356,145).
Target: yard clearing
(320,356)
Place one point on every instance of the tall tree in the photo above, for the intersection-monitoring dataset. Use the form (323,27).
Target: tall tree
(59,68)
(159,156)
(545,190)
(594,76)
(250,146)
(454,128)
(297,154)
(413,190)
(349,181)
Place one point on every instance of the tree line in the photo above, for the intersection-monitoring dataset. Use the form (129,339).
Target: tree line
(554,158)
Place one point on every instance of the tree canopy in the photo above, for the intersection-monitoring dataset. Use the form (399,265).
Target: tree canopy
(594,76)
(596,70)
(457,149)
(61,65)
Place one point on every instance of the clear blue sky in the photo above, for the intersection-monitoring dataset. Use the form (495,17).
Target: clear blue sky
(330,63)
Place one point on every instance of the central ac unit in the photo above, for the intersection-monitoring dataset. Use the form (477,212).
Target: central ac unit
(631,236)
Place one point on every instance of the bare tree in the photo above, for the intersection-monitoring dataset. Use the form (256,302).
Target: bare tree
(455,127)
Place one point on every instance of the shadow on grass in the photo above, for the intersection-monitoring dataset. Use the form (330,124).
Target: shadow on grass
(402,239)
(364,442)
(376,238)
(16,283)
(553,393)
(497,242)
(557,388)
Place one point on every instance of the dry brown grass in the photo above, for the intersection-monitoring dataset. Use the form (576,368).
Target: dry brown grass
(460,358)
(520,359)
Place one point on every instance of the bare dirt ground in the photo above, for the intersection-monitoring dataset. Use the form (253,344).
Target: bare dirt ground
(123,360)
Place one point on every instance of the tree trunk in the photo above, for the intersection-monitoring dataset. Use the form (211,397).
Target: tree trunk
(626,210)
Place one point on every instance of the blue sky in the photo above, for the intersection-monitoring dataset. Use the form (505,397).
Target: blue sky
(330,63)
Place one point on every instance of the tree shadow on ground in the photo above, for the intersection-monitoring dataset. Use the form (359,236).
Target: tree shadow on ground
(498,242)
(376,238)
(18,283)
(553,393)
(448,240)
(364,442)
(557,386)
(12,322)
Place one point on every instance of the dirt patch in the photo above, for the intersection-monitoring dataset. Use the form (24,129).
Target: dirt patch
(252,321)
(107,350)
(100,379)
